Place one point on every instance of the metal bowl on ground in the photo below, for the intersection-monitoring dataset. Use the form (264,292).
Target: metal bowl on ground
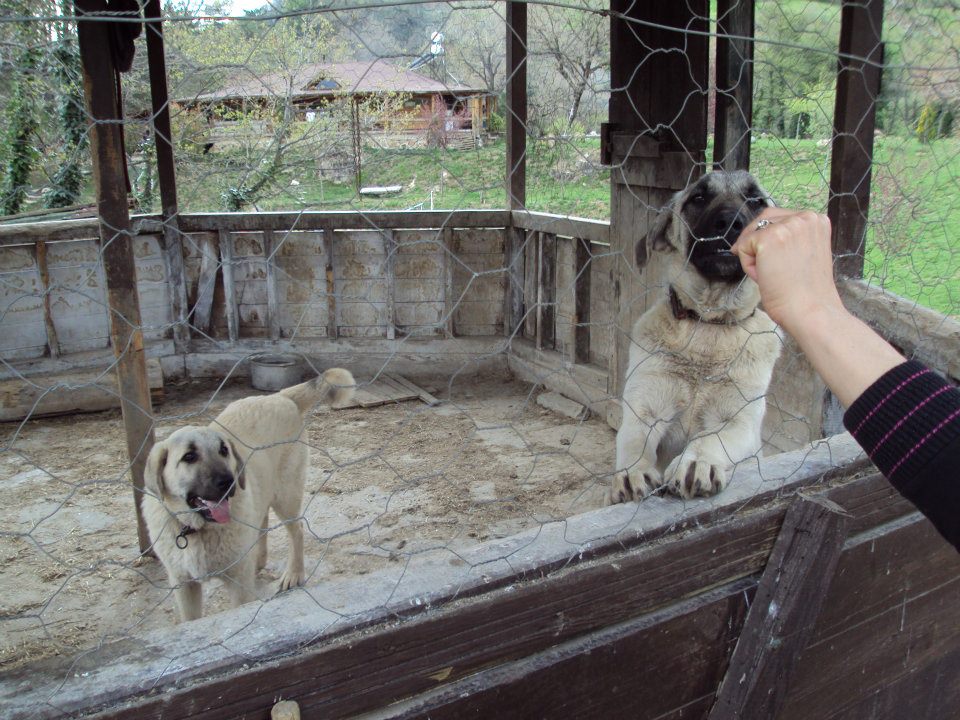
(275,371)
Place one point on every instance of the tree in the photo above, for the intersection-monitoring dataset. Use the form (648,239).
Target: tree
(476,52)
(68,180)
(576,41)
(22,125)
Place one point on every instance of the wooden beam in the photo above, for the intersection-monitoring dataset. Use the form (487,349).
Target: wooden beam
(166,172)
(582,271)
(854,120)
(40,255)
(328,250)
(229,285)
(100,94)
(516,22)
(658,137)
(734,108)
(597,231)
(782,617)
(273,305)
(515,255)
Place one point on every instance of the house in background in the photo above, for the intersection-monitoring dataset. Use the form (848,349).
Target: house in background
(308,89)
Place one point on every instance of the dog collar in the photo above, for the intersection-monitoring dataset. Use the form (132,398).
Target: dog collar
(684,313)
(181,539)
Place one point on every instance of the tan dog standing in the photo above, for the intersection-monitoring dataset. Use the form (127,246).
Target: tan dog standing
(701,358)
(210,490)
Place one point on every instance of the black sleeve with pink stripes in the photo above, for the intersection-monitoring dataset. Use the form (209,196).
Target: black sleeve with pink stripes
(908,422)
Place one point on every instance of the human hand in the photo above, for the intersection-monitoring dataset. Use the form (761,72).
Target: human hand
(792,262)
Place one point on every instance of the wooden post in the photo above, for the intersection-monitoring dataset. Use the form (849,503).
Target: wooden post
(734,115)
(582,270)
(516,105)
(172,238)
(40,255)
(116,247)
(229,284)
(784,610)
(858,87)
(655,140)
(328,251)
(273,309)
(516,178)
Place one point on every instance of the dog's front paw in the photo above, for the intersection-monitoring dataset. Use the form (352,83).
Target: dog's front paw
(690,478)
(290,580)
(633,484)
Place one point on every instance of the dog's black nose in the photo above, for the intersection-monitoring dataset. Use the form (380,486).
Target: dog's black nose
(728,223)
(223,481)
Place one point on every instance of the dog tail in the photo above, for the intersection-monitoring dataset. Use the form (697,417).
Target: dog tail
(334,387)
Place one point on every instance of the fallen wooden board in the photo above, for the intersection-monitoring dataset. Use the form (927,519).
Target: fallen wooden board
(65,393)
(387,389)
(421,393)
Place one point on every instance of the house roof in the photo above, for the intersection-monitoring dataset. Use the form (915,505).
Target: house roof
(328,79)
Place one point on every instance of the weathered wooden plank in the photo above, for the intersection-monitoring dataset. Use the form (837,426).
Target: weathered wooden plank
(343,220)
(331,288)
(893,608)
(599,675)
(515,256)
(854,120)
(66,393)
(40,256)
(273,301)
(229,285)
(59,230)
(205,284)
(100,94)
(389,268)
(597,231)
(734,109)
(581,300)
(412,387)
(532,272)
(784,610)
(516,96)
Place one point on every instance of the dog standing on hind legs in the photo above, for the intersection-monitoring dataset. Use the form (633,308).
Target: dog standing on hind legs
(210,490)
(702,357)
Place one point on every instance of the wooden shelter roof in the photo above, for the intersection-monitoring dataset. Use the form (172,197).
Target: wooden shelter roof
(328,79)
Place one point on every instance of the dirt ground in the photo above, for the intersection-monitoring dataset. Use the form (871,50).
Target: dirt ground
(384,482)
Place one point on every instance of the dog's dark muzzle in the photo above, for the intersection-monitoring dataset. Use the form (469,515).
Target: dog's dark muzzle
(711,242)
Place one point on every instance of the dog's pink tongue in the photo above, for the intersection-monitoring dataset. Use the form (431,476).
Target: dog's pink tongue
(219,512)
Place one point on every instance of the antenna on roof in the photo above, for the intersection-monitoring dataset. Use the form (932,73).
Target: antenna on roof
(435,51)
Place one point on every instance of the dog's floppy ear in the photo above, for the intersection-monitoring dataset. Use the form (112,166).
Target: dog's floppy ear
(153,471)
(241,465)
(656,238)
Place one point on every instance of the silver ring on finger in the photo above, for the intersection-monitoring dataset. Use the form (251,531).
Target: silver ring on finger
(762,224)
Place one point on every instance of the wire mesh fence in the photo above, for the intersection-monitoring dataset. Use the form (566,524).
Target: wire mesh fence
(489,341)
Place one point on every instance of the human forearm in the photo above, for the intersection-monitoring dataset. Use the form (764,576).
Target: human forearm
(844,350)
